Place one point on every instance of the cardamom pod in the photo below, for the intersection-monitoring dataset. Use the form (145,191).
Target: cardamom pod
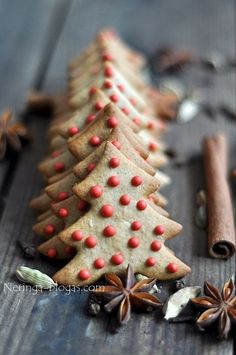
(201,218)
(35,277)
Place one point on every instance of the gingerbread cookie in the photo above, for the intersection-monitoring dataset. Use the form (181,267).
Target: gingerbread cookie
(121,228)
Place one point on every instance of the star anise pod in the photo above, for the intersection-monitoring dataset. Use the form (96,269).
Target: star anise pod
(127,294)
(169,60)
(220,308)
(11,134)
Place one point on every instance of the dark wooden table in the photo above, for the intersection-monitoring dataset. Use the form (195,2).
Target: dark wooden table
(37,40)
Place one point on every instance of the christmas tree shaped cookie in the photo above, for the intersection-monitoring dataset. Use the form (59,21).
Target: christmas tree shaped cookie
(95,101)
(61,190)
(96,78)
(108,36)
(61,215)
(121,227)
(89,139)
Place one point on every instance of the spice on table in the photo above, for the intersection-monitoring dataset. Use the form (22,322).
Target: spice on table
(179,300)
(220,308)
(35,277)
(127,294)
(221,232)
(209,110)
(179,284)
(201,211)
(29,251)
(228,112)
(170,60)
(201,198)
(167,105)
(12,134)
(39,102)
(214,62)
(94,307)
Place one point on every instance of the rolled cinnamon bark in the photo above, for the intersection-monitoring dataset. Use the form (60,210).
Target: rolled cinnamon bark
(221,231)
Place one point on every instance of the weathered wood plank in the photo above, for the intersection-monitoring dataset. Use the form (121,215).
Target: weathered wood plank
(56,322)
(24,26)
(26,45)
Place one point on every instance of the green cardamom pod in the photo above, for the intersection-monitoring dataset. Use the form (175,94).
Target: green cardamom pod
(35,277)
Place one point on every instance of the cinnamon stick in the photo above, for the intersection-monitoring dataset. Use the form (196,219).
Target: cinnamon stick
(221,231)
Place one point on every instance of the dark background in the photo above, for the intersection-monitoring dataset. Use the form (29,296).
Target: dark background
(37,39)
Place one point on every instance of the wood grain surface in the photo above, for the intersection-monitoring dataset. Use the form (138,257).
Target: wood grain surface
(38,38)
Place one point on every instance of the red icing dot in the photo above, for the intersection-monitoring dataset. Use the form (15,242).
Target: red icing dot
(114,162)
(99,105)
(150,261)
(99,263)
(107,211)
(172,267)
(84,274)
(107,84)
(90,118)
(49,229)
(59,167)
(109,231)
(112,122)
(55,154)
(133,242)
(125,200)
(90,242)
(133,102)
(141,205)
(63,212)
(82,205)
(136,225)
(73,130)
(108,72)
(63,195)
(90,167)
(92,90)
(116,144)
(117,259)
(77,235)
(137,121)
(96,191)
(152,146)
(126,110)
(151,125)
(107,57)
(113,181)
(69,250)
(156,245)
(114,98)
(159,230)
(136,180)
(95,140)
(52,253)
(121,87)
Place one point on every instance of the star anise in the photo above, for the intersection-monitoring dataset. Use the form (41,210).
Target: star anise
(11,134)
(126,295)
(221,308)
(169,60)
